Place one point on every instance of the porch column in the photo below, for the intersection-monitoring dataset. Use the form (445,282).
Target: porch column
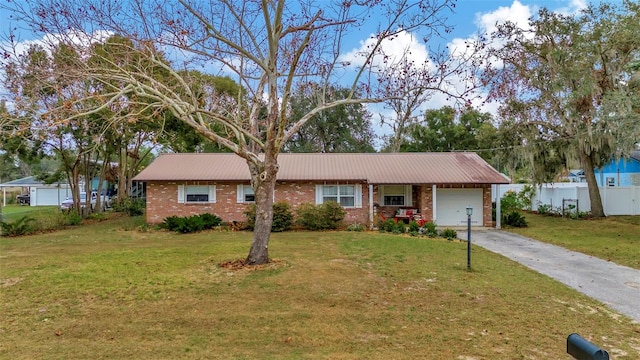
(498,216)
(371,206)
(433,205)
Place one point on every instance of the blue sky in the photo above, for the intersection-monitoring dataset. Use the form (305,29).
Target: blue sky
(469,17)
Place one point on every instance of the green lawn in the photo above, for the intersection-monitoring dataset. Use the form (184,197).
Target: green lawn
(615,238)
(13,212)
(110,291)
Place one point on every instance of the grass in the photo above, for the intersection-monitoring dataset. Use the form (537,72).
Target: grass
(110,291)
(14,212)
(615,238)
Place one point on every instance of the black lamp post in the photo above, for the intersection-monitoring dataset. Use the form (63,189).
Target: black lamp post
(469,213)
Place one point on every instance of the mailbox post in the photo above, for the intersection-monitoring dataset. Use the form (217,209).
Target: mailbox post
(469,213)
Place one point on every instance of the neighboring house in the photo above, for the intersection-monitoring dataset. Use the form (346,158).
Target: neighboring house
(621,172)
(438,186)
(40,194)
(577,176)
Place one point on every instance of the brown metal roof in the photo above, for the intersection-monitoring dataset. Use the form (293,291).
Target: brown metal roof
(375,168)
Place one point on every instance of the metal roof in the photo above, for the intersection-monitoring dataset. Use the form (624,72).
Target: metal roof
(375,168)
(28,181)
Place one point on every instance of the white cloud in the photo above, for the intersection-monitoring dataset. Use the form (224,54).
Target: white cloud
(575,6)
(517,13)
(402,46)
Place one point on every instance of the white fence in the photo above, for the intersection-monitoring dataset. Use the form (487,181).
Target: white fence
(615,200)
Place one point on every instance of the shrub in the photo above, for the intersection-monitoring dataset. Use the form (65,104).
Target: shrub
(526,195)
(544,209)
(414,227)
(192,223)
(429,229)
(399,228)
(450,234)
(22,226)
(282,217)
(73,218)
(510,202)
(355,227)
(130,206)
(514,219)
(325,216)
(386,225)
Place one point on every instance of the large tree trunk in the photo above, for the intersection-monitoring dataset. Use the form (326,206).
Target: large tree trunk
(263,181)
(597,209)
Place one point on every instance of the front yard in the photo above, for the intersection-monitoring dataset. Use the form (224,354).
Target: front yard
(111,291)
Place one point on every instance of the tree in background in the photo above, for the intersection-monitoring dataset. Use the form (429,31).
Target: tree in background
(408,84)
(344,128)
(447,129)
(267,46)
(564,83)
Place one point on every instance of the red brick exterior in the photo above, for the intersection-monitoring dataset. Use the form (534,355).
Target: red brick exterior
(162,201)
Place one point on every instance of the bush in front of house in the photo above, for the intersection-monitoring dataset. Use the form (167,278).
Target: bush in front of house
(326,216)
(282,217)
(449,234)
(356,227)
(130,206)
(188,224)
(514,218)
(429,229)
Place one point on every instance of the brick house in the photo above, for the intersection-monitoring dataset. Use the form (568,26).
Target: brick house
(431,186)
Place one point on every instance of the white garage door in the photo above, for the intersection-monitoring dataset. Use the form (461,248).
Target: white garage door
(451,205)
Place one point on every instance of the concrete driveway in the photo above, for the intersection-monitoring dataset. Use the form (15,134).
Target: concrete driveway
(616,286)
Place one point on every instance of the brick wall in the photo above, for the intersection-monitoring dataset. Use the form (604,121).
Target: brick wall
(162,201)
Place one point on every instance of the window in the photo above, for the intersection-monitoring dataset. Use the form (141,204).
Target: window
(245,194)
(196,193)
(395,195)
(348,196)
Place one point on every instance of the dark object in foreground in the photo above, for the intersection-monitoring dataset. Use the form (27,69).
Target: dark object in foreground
(582,349)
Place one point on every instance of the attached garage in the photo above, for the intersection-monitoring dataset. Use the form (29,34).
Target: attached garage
(451,205)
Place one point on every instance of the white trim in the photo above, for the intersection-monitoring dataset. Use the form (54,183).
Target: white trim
(408,195)
(240,193)
(358,196)
(212,193)
(371,206)
(182,195)
(319,194)
(433,203)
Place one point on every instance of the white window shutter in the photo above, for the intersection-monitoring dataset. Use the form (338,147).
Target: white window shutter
(408,194)
(181,194)
(319,194)
(240,193)
(212,193)
(358,195)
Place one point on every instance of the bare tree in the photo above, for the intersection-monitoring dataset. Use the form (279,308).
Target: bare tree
(408,84)
(268,46)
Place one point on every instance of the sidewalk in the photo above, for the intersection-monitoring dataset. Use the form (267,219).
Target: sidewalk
(615,285)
